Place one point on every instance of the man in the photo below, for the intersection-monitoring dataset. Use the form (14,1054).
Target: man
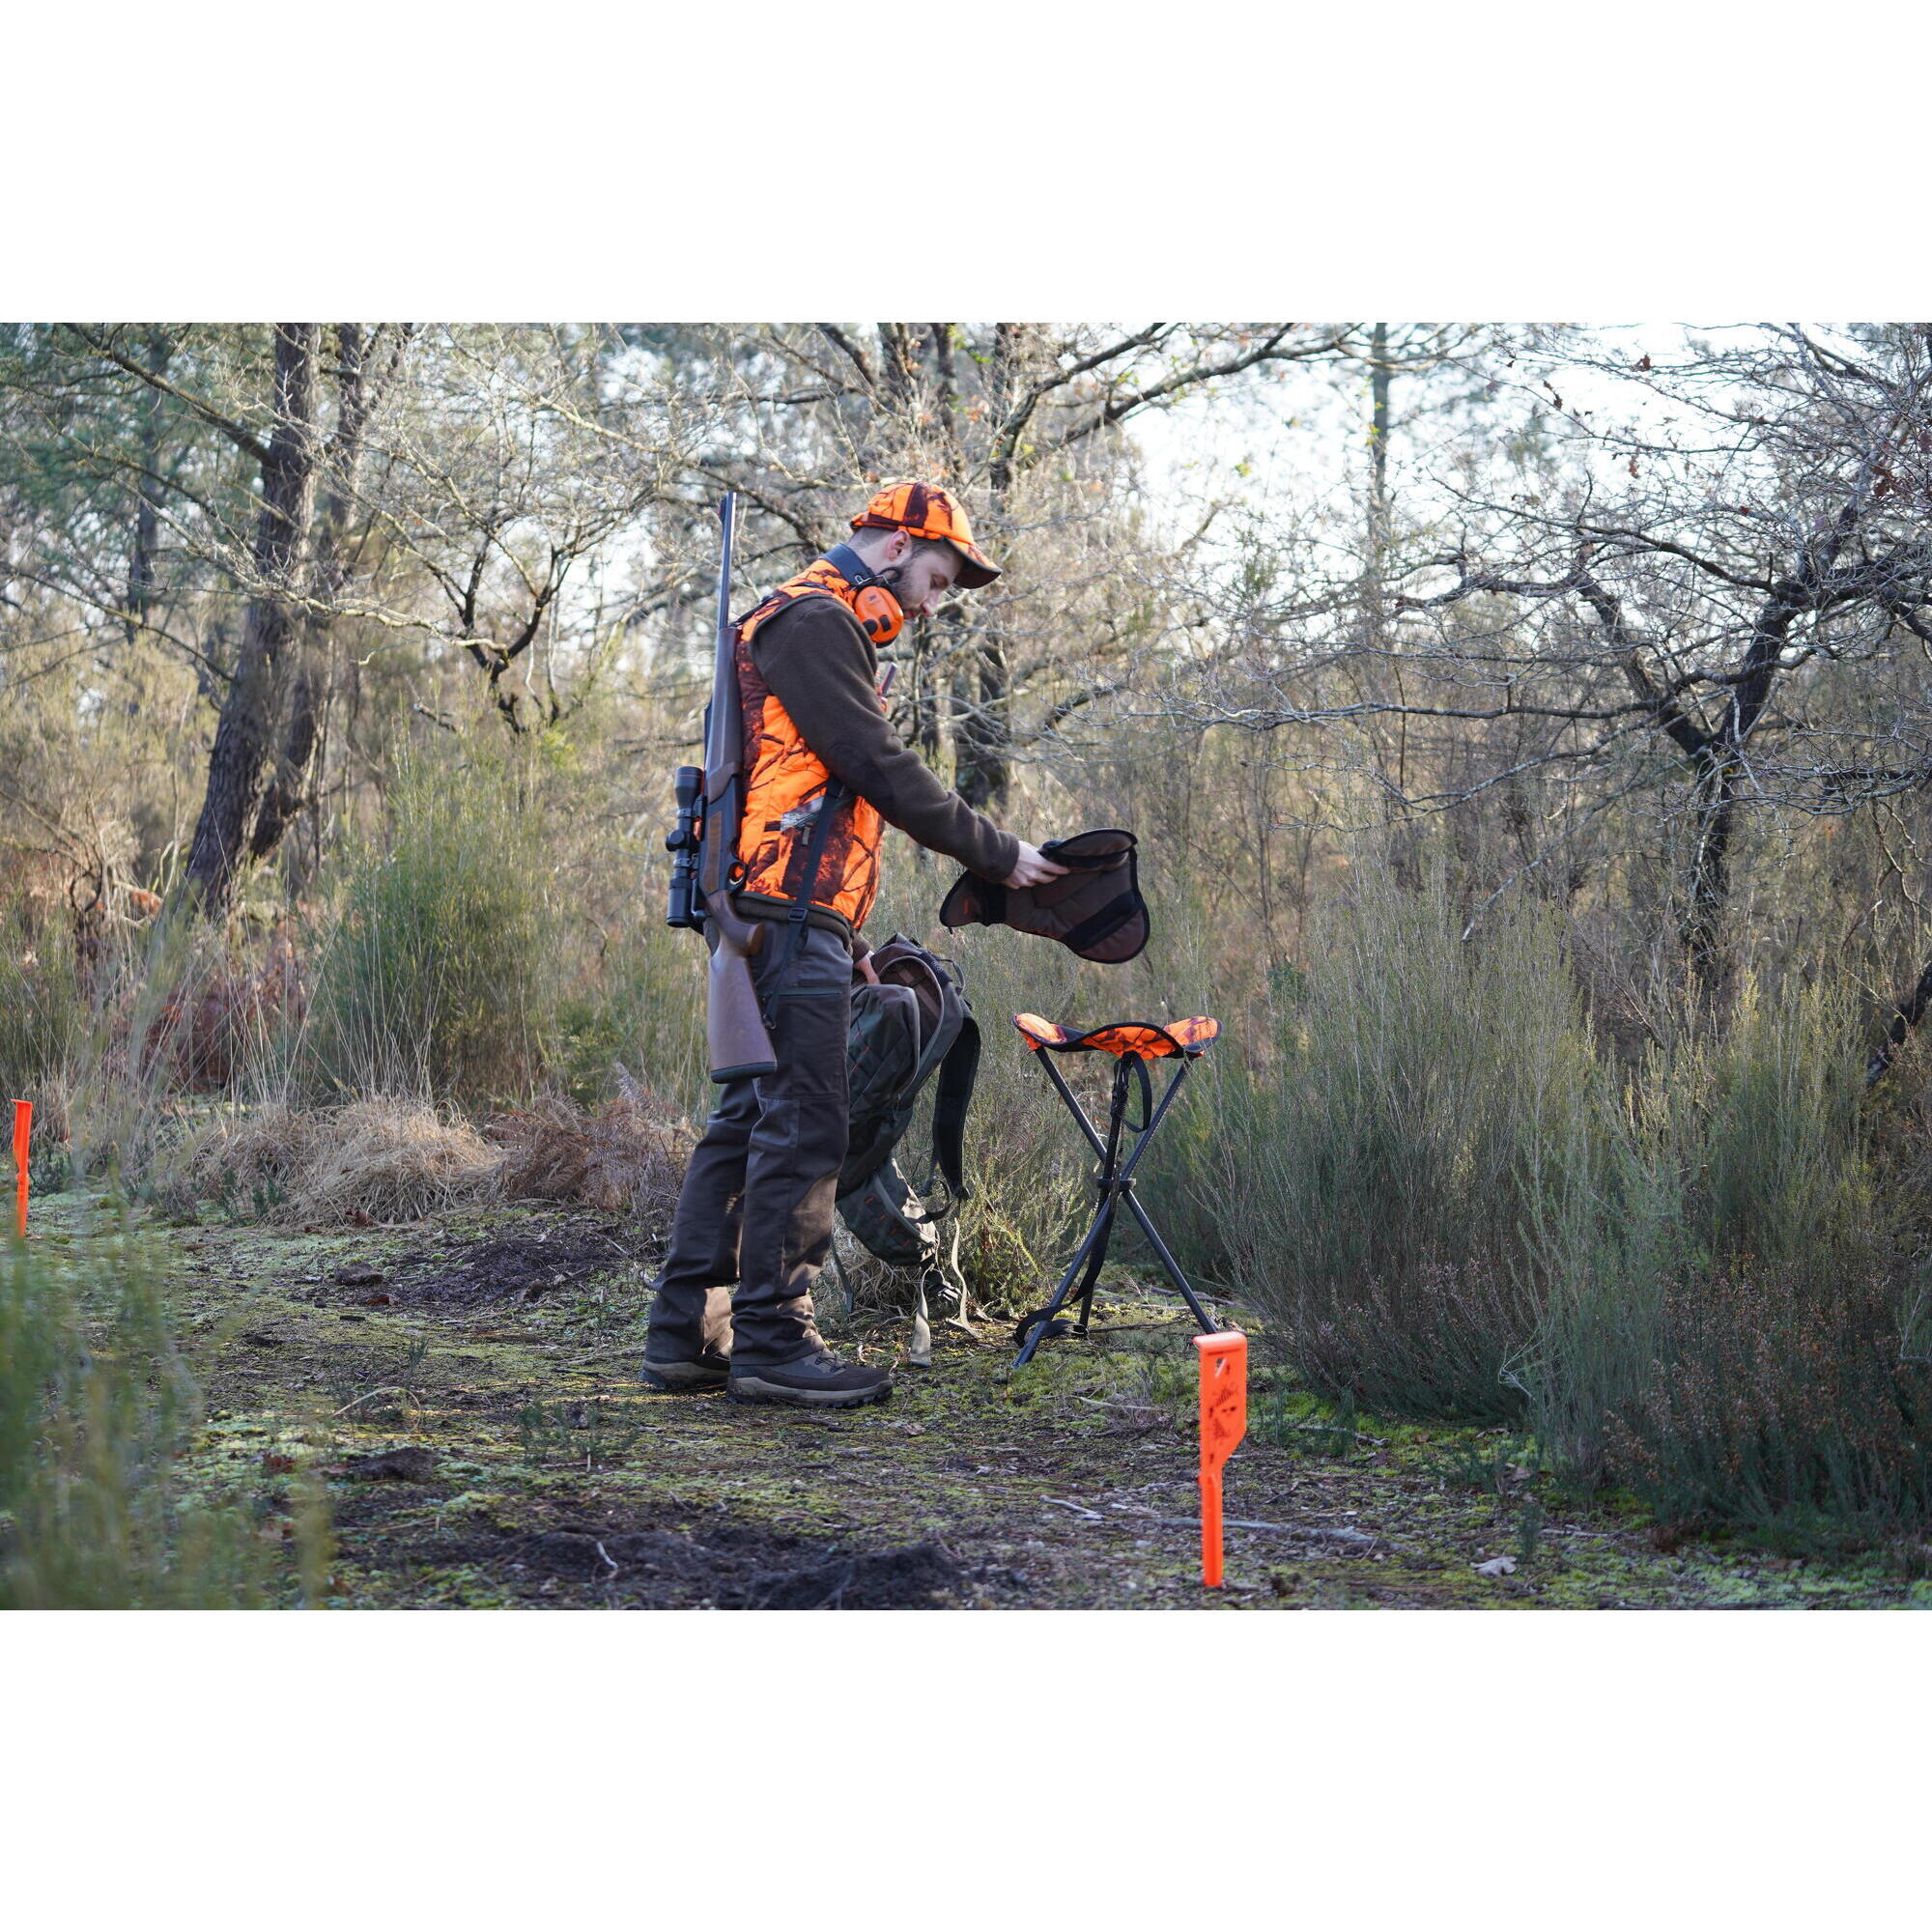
(823,774)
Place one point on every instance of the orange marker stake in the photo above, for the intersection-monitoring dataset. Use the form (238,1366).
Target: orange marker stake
(23,1128)
(1224,1421)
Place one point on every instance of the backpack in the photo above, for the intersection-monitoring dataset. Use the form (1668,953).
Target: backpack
(915,1024)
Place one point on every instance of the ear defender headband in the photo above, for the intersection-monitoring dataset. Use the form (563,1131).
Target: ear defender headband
(872,602)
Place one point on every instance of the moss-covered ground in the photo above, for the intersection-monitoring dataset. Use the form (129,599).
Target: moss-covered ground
(502,1347)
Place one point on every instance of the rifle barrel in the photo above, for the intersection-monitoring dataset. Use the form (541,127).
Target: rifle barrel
(717,750)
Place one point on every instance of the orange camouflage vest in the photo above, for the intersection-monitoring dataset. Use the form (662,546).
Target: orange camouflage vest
(787,783)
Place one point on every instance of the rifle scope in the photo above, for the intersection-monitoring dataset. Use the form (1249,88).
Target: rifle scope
(687,902)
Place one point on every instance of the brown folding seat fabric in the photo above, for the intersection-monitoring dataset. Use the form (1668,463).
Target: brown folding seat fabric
(1094,909)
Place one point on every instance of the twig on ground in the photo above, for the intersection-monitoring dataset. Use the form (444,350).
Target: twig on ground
(387,1389)
(1333,1429)
(1353,1539)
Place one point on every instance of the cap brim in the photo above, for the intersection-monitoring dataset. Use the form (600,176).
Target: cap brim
(977,569)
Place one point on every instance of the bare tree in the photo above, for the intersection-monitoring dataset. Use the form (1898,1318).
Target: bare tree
(1730,583)
(1019,416)
(367,364)
(238,764)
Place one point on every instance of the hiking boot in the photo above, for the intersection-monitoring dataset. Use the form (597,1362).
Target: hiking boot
(818,1381)
(708,1371)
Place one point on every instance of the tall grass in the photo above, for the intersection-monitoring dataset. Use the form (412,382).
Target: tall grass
(43,1011)
(181,1010)
(1740,1170)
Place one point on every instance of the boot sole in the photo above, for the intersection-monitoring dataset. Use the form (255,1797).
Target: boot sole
(680,1378)
(749,1388)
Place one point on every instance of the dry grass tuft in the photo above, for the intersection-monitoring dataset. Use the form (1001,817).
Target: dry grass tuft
(626,1158)
(397,1160)
(259,1155)
(379,1159)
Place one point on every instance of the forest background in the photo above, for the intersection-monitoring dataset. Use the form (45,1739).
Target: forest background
(1526,730)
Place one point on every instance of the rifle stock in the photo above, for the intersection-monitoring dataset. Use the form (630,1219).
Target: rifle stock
(735,1034)
(734,1028)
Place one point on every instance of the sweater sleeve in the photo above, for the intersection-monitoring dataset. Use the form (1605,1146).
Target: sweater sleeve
(821,665)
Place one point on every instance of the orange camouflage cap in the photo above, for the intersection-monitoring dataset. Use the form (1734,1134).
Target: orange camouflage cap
(935,514)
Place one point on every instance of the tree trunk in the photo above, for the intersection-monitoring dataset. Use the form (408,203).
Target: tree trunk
(1722,764)
(925,679)
(1711,868)
(980,729)
(244,738)
(148,490)
(1909,1013)
(1374,579)
(982,725)
(288,790)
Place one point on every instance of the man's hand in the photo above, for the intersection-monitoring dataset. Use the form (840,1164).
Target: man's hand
(866,970)
(1032,869)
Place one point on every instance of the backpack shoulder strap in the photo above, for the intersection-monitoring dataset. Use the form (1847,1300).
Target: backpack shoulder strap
(954,1094)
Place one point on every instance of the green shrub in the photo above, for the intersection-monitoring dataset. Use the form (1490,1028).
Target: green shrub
(640,1005)
(95,1408)
(1755,1126)
(437,978)
(1410,1166)
(1782,1400)
(1740,1142)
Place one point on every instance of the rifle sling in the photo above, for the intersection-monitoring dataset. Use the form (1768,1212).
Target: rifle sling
(830,800)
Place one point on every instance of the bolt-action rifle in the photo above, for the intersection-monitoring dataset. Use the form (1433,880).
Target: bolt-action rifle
(703,852)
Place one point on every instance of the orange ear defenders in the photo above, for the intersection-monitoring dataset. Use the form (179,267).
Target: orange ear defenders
(872,603)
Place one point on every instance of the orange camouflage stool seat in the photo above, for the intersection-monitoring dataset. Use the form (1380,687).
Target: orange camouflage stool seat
(1133,1043)
(1142,1036)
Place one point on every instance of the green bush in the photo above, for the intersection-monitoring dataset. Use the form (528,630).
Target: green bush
(1739,1144)
(437,980)
(640,1005)
(1780,1400)
(1680,1277)
(1419,1145)
(95,1408)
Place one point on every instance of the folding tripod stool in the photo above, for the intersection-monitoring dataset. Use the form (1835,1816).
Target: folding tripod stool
(1133,1043)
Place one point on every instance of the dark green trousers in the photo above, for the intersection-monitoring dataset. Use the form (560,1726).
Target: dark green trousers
(753,1222)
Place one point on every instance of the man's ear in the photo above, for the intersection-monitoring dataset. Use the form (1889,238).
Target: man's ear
(897,544)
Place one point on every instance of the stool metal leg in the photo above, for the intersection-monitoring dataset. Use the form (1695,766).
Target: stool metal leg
(1208,1325)
(1115,1182)
(1097,1236)
(1093,1251)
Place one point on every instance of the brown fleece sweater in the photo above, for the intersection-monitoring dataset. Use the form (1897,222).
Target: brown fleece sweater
(821,666)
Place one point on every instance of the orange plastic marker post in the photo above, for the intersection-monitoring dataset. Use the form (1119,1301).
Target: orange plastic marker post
(1224,1421)
(24,1131)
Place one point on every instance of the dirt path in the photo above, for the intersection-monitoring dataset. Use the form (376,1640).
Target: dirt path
(467,1390)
